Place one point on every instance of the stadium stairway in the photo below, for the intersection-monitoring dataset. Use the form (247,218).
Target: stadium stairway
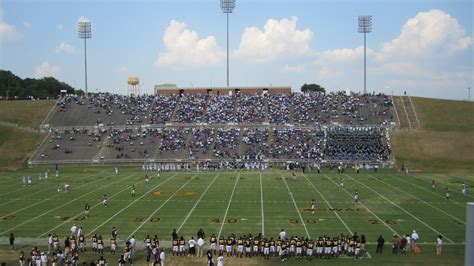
(400,109)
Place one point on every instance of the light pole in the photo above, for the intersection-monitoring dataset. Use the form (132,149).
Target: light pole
(84,30)
(365,26)
(227,7)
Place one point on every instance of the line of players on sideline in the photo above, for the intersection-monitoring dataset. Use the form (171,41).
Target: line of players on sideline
(325,247)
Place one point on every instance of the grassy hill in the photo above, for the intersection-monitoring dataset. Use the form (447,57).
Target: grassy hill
(25,113)
(15,143)
(445,141)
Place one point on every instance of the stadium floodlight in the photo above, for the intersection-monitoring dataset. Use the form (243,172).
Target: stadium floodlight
(227,7)
(85,32)
(365,26)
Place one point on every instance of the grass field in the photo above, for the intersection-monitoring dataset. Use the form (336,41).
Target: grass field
(25,112)
(241,203)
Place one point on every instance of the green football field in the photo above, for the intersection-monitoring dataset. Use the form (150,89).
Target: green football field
(239,202)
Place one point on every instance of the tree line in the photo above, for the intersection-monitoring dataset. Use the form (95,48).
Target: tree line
(14,87)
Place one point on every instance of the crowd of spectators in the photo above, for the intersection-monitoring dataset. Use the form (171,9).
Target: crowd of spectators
(279,106)
(201,142)
(227,143)
(163,108)
(220,109)
(250,108)
(191,108)
(357,144)
(255,142)
(305,109)
(347,144)
(297,143)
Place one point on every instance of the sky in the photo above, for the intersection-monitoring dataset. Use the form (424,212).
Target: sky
(422,47)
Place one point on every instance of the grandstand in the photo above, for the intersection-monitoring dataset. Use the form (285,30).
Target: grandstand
(189,127)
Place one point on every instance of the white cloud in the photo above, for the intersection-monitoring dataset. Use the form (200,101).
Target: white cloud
(294,69)
(343,55)
(427,33)
(59,27)
(327,73)
(65,48)
(47,70)
(7,31)
(184,49)
(27,24)
(278,38)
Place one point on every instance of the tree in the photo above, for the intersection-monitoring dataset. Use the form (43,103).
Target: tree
(307,88)
(13,86)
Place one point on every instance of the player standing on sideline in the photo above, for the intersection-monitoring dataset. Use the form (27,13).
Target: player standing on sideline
(356,196)
(464,189)
(104,201)
(406,170)
(66,187)
(116,170)
(342,182)
(147,180)
(58,189)
(447,193)
(311,206)
(133,190)
(87,210)
(433,184)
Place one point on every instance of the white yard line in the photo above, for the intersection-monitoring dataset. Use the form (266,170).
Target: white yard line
(363,205)
(228,206)
(28,195)
(296,206)
(402,209)
(62,205)
(327,202)
(197,202)
(46,199)
(427,203)
(428,190)
(161,206)
(130,204)
(82,212)
(11,179)
(261,205)
(26,189)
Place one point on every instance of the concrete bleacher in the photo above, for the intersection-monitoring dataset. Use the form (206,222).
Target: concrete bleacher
(315,127)
(71,144)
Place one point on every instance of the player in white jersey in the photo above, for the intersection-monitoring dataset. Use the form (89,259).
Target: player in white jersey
(105,201)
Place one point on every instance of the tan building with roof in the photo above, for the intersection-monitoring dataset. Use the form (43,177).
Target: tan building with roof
(170,89)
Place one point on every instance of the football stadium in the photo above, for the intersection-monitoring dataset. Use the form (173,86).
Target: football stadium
(236,175)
